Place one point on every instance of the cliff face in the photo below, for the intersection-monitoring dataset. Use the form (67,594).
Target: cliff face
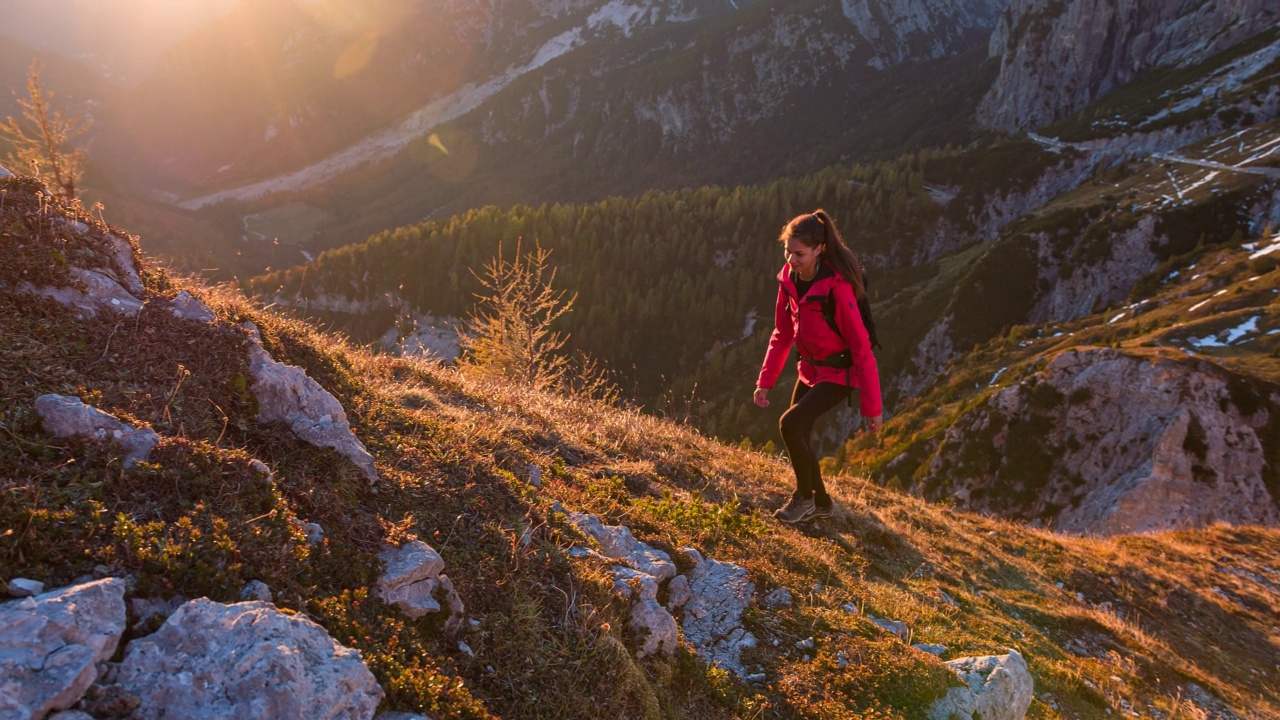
(1057,56)
(1184,449)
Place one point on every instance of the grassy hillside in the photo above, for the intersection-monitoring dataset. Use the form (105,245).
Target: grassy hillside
(1169,625)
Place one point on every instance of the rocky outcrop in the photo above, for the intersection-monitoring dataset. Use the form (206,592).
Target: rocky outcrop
(287,395)
(712,622)
(997,687)
(51,646)
(920,29)
(1101,441)
(1080,288)
(246,660)
(1056,57)
(617,542)
(68,417)
(413,579)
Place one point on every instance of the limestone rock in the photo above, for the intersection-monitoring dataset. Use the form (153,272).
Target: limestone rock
(91,292)
(246,660)
(778,598)
(678,593)
(24,587)
(629,583)
(655,627)
(997,687)
(67,417)
(896,627)
(256,590)
(409,563)
(51,645)
(412,578)
(712,621)
(1122,444)
(287,395)
(189,307)
(617,542)
(5,174)
(1056,57)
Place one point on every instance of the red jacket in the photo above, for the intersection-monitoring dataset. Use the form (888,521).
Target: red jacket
(800,322)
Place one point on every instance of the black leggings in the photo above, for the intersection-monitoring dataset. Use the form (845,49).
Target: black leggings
(796,424)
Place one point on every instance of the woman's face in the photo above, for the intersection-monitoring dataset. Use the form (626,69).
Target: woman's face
(802,258)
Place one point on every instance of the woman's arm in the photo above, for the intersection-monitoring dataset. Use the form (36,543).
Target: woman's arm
(779,342)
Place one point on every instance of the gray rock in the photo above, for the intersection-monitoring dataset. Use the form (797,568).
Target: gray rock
(678,593)
(655,627)
(535,476)
(712,620)
(897,627)
(256,590)
(409,563)
(617,542)
(70,715)
(188,307)
(287,395)
(93,292)
(68,417)
(629,583)
(246,660)
(53,644)
(313,531)
(144,609)
(415,599)
(124,264)
(401,716)
(997,687)
(412,578)
(778,598)
(5,174)
(938,650)
(23,587)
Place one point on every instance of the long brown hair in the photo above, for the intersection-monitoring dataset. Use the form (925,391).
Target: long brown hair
(817,228)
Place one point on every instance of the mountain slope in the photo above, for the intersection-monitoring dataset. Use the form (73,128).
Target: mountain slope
(1159,624)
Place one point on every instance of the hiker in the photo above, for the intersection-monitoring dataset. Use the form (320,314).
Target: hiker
(819,291)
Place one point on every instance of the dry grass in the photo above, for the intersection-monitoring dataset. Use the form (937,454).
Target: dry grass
(549,639)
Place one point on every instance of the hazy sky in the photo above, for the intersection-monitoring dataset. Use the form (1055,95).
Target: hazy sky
(121,37)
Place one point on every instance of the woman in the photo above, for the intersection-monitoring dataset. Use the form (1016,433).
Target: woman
(821,274)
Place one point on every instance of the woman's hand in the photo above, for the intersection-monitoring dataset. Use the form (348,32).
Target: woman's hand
(761,397)
(873,423)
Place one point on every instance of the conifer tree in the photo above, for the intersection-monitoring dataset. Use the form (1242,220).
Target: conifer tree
(43,139)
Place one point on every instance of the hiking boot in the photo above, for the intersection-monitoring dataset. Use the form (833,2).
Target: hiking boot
(799,508)
(822,508)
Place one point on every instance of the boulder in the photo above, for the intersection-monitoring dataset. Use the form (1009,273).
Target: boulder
(68,417)
(90,293)
(617,542)
(997,687)
(629,583)
(51,645)
(655,628)
(246,660)
(188,307)
(25,587)
(287,395)
(5,174)
(678,593)
(412,578)
(778,598)
(896,627)
(256,590)
(712,620)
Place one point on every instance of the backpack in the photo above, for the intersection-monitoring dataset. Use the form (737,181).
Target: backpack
(864,309)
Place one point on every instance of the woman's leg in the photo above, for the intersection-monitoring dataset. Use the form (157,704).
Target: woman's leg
(807,405)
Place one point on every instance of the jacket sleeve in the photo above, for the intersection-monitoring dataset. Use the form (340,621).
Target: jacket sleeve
(849,320)
(779,342)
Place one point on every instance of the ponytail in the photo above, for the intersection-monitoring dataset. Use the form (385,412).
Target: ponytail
(817,228)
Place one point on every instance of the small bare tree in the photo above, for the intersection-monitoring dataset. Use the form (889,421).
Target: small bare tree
(43,139)
(509,333)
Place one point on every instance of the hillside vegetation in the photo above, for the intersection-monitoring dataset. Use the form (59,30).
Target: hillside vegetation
(1158,625)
